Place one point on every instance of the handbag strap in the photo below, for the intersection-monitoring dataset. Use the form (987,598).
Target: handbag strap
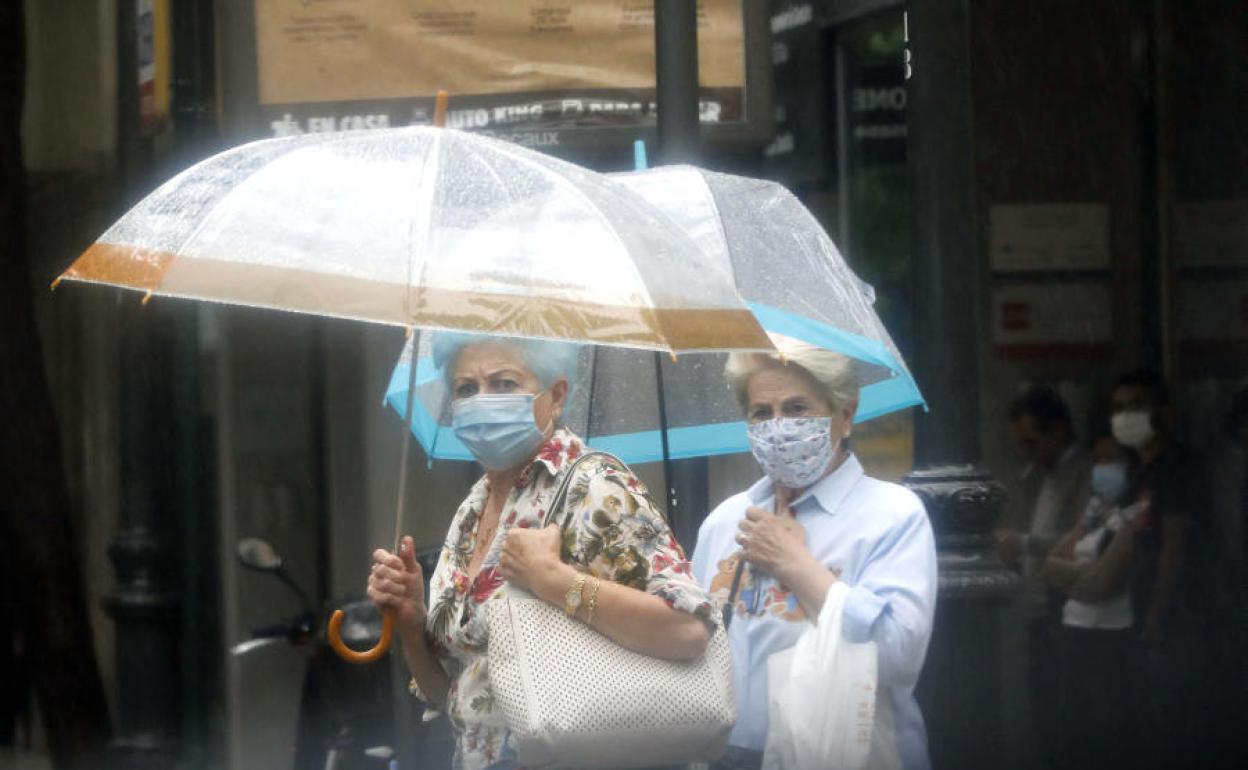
(736,587)
(727,609)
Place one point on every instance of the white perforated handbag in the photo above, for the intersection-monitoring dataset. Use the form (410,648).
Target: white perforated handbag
(572,698)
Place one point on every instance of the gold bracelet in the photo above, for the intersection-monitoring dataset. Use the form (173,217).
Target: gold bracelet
(593,602)
(572,599)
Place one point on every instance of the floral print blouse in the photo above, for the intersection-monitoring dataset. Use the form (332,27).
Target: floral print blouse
(615,532)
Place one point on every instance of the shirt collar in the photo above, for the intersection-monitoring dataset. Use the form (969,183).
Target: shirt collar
(563,447)
(828,493)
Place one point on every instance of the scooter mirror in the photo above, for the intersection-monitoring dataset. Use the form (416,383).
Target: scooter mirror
(258,554)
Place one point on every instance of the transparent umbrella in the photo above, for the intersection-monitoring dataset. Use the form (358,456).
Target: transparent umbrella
(424,227)
(787,269)
(794,280)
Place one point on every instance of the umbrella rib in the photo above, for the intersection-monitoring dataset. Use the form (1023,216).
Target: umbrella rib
(407,441)
(718,219)
(424,208)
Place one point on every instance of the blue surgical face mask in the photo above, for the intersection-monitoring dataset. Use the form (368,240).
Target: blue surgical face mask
(1109,480)
(498,428)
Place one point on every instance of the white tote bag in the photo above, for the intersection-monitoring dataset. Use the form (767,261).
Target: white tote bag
(575,699)
(822,704)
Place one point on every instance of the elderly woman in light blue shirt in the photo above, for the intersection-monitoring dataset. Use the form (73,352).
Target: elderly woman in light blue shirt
(814,519)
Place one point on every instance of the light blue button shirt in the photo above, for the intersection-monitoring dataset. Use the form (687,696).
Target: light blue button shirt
(876,536)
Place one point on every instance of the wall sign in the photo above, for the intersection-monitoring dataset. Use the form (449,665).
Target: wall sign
(1052,319)
(526,70)
(1049,237)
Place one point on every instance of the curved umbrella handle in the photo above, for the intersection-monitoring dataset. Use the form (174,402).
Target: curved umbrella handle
(368,656)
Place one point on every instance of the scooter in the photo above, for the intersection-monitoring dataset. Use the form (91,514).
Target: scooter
(346,713)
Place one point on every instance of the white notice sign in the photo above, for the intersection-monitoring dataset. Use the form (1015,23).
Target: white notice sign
(1041,237)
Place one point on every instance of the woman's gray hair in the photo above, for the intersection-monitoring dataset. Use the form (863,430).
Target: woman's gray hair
(548,360)
(831,372)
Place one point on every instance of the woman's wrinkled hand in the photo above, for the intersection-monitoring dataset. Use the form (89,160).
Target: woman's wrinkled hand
(397,583)
(774,543)
(530,557)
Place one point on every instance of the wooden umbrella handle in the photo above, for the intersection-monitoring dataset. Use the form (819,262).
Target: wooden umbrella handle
(368,656)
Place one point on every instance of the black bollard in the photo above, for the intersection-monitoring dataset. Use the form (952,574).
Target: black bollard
(960,692)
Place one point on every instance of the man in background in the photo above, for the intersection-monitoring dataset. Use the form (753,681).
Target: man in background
(1049,496)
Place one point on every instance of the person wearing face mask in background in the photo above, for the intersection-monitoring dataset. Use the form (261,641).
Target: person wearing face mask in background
(508,395)
(815,519)
(1096,632)
(1164,558)
(1045,502)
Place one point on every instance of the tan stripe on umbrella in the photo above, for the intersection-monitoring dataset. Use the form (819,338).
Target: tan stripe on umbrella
(133,267)
(378,301)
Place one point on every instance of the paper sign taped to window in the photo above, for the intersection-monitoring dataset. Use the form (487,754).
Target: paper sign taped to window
(506,64)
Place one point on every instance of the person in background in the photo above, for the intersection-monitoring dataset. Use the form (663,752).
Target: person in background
(1045,503)
(1164,558)
(1097,632)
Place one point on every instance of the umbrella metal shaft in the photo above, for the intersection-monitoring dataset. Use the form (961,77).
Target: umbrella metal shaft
(407,441)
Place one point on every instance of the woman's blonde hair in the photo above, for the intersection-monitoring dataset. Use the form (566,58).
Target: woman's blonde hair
(832,373)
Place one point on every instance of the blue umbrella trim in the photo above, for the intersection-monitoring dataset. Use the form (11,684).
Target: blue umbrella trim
(875,400)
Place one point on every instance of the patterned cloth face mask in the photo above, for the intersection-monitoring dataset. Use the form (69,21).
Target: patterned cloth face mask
(794,451)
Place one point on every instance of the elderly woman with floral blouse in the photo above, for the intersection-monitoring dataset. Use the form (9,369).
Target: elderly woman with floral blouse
(617,567)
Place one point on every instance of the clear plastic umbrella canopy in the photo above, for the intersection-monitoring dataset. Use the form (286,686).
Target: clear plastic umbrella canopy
(787,269)
(425,227)
(794,280)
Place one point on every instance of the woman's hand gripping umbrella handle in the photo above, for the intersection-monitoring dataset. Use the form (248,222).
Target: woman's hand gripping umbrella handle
(334,632)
